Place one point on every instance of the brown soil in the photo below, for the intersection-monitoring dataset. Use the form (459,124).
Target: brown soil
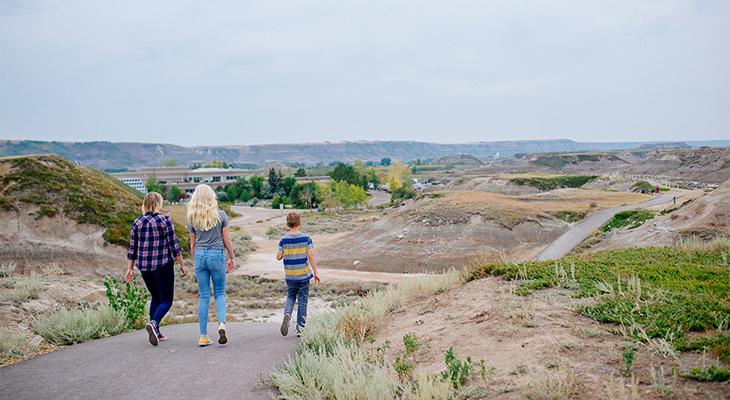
(78,248)
(539,346)
(449,229)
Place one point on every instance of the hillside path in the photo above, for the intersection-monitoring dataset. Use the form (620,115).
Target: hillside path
(572,238)
(128,367)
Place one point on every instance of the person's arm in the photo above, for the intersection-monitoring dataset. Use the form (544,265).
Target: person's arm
(192,244)
(174,245)
(310,255)
(280,252)
(131,254)
(231,264)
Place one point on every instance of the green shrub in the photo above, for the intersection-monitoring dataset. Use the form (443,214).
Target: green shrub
(457,371)
(76,326)
(630,218)
(402,193)
(131,303)
(709,374)
(556,182)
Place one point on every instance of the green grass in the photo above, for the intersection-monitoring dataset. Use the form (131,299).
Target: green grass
(643,185)
(556,182)
(76,326)
(55,185)
(663,292)
(631,219)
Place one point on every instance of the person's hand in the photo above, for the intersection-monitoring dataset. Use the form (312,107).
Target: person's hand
(129,275)
(230,265)
(183,271)
(316,278)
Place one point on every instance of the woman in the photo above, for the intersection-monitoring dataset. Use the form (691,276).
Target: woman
(153,247)
(209,236)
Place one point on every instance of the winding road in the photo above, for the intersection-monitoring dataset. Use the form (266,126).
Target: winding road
(580,232)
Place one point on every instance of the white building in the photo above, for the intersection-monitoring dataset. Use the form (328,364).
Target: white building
(135,183)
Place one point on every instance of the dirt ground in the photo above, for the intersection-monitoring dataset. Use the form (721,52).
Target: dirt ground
(535,346)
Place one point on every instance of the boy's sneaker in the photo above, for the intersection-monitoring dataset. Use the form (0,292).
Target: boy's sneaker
(300,329)
(152,331)
(285,325)
(222,339)
(204,341)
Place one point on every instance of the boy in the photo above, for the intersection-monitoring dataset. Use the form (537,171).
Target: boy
(295,248)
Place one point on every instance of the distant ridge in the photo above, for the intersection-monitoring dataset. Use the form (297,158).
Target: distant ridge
(132,155)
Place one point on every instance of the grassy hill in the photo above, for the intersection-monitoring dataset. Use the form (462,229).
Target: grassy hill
(50,186)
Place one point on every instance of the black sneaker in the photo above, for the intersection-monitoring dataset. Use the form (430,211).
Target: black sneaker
(299,331)
(152,331)
(285,325)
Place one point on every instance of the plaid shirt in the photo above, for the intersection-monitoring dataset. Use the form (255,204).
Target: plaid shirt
(152,241)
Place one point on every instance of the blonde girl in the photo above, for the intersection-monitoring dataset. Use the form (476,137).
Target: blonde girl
(209,241)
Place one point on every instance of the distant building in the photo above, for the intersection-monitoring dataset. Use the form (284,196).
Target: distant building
(135,183)
(184,178)
(315,179)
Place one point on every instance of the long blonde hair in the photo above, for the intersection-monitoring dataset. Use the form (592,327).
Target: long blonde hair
(203,209)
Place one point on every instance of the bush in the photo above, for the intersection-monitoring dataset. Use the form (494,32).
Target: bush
(13,345)
(76,326)
(131,303)
(402,193)
(643,186)
(709,374)
(24,288)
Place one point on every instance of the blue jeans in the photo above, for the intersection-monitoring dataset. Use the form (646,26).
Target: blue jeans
(210,263)
(297,291)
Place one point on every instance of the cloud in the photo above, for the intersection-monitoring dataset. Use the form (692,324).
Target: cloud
(259,72)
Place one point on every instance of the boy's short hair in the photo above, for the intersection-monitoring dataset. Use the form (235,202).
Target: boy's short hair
(293,220)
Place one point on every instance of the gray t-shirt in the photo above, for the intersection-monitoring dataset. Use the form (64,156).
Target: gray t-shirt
(213,238)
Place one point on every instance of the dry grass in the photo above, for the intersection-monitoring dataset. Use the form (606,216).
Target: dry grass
(23,288)
(561,385)
(459,207)
(7,268)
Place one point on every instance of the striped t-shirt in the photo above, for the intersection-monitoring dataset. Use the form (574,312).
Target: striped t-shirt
(296,263)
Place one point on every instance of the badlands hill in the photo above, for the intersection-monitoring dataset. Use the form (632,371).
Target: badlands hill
(54,211)
(132,155)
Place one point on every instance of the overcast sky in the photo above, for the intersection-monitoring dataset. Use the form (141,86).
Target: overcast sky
(248,72)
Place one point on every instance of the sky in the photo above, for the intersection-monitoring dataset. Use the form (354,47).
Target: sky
(254,72)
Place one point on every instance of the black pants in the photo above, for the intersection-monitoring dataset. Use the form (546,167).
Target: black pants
(161,285)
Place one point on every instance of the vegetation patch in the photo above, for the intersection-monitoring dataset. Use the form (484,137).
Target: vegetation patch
(664,292)
(56,186)
(333,363)
(643,186)
(66,327)
(630,218)
(570,216)
(556,182)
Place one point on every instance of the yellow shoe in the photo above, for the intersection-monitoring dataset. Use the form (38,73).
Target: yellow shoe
(204,341)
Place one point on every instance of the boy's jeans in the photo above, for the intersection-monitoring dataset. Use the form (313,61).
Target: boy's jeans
(210,263)
(297,291)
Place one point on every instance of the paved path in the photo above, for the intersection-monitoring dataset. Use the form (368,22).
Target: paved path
(128,367)
(572,238)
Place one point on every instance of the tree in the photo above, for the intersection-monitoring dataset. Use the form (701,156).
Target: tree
(349,195)
(288,185)
(152,184)
(174,194)
(372,177)
(170,163)
(275,180)
(257,185)
(305,195)
(385,162)
(349,174)
(398,175)
(300,172)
